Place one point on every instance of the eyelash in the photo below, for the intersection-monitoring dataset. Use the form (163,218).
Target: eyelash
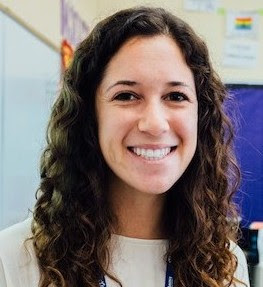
(182,96)
(128,95)
(119,96)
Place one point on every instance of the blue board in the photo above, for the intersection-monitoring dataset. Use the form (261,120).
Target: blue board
(249,150)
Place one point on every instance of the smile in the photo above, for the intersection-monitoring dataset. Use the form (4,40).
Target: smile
(152,154)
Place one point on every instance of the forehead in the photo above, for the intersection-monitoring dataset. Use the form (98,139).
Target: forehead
(141,58)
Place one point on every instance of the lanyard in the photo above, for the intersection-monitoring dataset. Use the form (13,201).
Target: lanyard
(169,278)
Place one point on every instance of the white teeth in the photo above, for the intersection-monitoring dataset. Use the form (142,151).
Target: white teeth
(150,153)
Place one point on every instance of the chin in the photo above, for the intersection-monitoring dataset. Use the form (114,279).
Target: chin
(154,189)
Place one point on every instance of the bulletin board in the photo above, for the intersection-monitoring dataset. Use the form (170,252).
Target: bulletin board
(30,72)
(249,149)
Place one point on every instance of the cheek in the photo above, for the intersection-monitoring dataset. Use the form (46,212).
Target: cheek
(185,125)
(192,126)
(113,128)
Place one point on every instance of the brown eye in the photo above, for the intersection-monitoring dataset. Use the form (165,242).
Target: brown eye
(125,97)
(176,97)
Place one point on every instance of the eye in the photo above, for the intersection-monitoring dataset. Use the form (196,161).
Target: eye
(125,96)
(176,97)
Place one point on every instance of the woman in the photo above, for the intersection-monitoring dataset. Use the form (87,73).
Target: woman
(138,175)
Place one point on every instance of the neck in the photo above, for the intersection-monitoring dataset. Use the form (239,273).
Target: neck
(139,214)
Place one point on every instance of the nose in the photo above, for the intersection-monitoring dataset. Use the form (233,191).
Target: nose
(153,120)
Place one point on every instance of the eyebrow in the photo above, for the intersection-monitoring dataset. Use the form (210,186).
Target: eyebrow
(123,82)
(133,83)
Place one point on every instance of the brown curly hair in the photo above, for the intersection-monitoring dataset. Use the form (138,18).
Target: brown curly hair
(73,220)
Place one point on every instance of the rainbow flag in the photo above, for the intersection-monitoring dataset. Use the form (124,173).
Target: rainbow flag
(243,23)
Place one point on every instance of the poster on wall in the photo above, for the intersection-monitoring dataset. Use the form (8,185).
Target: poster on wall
(240,54)
(66,54)
(73,31)
(242,24)
(201,5)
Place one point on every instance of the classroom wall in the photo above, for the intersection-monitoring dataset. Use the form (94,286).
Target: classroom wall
(43,16)
(210,26)
(29,76)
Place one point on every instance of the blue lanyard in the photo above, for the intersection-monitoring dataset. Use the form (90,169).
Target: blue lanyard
(169,278)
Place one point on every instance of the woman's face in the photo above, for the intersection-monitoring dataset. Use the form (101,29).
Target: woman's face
(146,109)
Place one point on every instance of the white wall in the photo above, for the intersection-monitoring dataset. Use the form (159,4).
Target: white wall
(1,113)
(29,81)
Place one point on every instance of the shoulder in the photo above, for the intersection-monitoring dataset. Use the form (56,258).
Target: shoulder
(242,268)
(18,263)
(14,236)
